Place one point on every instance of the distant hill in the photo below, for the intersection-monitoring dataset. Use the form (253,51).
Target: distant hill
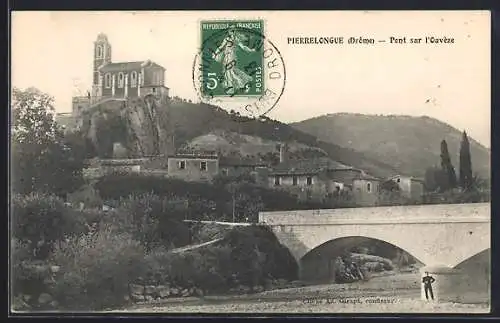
(409,144)
(192,120)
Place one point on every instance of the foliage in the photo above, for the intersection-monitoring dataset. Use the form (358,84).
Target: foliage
(257,255)
(27,277)
(465,175)
(42,160)
(450,177)
(41,220)
(149,219)
(96,269)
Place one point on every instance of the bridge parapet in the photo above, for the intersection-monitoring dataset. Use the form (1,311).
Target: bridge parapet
(435,213)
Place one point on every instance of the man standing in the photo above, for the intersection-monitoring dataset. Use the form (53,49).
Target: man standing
(427,281)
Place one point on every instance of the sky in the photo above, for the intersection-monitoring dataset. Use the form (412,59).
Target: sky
(53,51)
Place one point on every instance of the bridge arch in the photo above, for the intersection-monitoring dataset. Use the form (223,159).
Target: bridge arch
(317,263)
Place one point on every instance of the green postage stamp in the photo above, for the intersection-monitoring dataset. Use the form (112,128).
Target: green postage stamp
(232,58)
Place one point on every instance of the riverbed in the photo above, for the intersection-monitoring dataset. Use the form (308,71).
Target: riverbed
(393,293)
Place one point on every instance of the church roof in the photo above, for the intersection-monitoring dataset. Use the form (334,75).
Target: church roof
(127,66)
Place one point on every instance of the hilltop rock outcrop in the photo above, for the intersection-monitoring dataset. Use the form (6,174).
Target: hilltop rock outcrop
(140,125)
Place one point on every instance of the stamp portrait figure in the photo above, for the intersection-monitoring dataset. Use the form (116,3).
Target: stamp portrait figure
(227,54)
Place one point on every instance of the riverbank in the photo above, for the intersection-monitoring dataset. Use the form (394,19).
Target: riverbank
(397,293)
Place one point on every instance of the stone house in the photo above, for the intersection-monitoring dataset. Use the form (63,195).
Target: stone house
(193,166)
(322,179)
(235,166)
(410,187)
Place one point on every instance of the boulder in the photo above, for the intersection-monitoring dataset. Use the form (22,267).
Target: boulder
(163,291)
(174,291)
(258,289)
(44,298)
(282,282)
(137,297)
(136,289)
(149,290)
(26,297)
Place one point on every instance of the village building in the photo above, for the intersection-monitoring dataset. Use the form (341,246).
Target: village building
(322,179)
(410,187)
(194,166)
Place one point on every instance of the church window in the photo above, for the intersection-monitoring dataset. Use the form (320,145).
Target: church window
(133,79)
(99,51)
(369,187)
(107,80)
(276,180)
(121,80)
(141,78)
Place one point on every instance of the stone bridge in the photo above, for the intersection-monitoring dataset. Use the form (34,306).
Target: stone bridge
(439,236)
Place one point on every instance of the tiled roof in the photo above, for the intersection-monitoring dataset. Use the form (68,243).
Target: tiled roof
(308,166)
(127,66)
(367,177)
(193,156)
(410,177)
(234,161)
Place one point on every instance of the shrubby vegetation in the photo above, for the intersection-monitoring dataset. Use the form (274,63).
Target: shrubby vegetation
(99,254)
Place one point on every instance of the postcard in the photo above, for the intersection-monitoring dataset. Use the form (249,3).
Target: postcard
(250,162)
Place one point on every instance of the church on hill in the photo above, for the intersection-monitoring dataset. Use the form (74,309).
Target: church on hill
(120,80)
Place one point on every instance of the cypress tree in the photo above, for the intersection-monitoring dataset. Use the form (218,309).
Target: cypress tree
(447,167)
(465,163)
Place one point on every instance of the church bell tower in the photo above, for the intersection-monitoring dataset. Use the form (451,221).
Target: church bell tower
(102,56)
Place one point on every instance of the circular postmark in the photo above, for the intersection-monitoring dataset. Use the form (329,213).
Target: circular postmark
(239,69)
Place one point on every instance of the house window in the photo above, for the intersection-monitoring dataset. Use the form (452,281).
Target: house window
(294,180)
(276,180)
(107,80)
(182,164)
(141,78)
(369,187)
(99,51)
(309,180)
(133,79)
(203,166)
(121,80)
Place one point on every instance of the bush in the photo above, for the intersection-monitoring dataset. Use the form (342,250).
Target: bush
(153,221)
(40,220)
(96,269)
(257,255)
(29,276)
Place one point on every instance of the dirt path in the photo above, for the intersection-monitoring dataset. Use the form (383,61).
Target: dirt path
(386,294)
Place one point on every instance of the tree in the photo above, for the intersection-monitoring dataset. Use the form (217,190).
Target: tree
(466,179)
(447,167)
(42,159)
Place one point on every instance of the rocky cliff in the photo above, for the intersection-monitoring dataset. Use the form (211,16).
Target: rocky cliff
(140,125)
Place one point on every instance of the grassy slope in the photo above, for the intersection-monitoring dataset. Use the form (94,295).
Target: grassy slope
(192,120)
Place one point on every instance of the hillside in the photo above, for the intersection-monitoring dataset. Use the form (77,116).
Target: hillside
(410,144)
(191,120)
(231,143)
